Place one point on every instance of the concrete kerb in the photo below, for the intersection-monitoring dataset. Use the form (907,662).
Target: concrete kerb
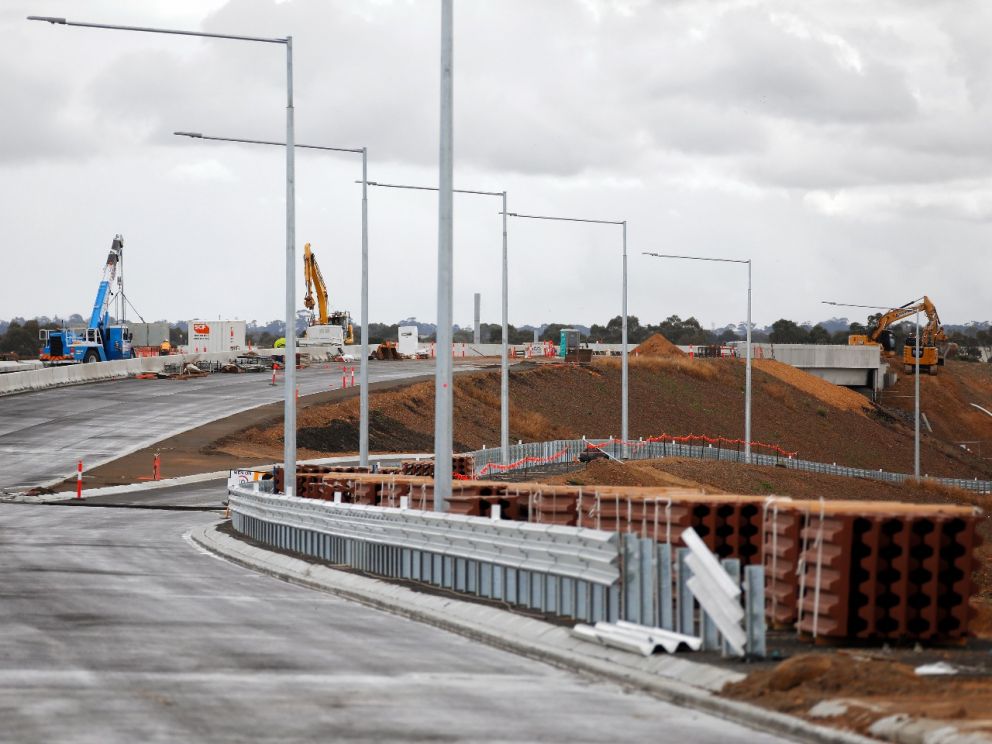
(187,480)
(674,679)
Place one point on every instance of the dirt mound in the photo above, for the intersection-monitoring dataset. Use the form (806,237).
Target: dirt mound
(833,395)
(761,480)
(868,687)
(947,400)
(658,346)
(706,398)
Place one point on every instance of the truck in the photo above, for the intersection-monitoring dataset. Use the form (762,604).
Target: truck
(99,341)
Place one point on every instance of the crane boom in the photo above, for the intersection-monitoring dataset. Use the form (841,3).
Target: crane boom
(101,306)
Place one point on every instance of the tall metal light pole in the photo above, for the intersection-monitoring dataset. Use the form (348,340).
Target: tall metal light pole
(747,364)
(916,398)
(504,430)
(363,427)
(443,373)
(624,383)
(916,393)
(289,449)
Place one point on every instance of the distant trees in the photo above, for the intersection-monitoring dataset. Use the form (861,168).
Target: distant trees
(789,332)
(21,339)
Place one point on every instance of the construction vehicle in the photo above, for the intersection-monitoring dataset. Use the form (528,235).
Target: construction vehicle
(99,341)
(933,339)
(325,328)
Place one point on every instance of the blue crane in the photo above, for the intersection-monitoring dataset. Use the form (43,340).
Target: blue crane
(99,341)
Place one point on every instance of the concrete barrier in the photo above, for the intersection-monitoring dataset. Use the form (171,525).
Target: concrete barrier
(77,374)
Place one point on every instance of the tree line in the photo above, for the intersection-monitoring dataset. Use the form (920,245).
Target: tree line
(19,338)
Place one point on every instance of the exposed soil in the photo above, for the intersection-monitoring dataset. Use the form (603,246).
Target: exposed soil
(833,395)
(870,687)
(658,346)
(669,395)
(946,398)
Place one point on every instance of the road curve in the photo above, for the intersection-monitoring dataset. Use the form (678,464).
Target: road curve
(44,434)
(113,628)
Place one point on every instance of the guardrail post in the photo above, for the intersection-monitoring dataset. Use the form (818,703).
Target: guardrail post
(648,582)
(686,620)
(512,593)
(733,568)
(754,605)
(568,608)
(582,600)
(631,611)
(613,603)
(537,590)
(665,603)
(708,632)
(599,609)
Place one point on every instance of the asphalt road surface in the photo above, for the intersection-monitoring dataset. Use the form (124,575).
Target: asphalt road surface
(44,434)
(113,628)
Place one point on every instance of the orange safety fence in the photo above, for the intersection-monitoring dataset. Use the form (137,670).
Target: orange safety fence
(691,438)
(531,460)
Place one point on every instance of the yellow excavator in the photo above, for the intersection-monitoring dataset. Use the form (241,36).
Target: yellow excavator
(933,340)
(332,328)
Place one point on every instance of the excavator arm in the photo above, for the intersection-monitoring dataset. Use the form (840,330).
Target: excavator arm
(314,280)
(933,331)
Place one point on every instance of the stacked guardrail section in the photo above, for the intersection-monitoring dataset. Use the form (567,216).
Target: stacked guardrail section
(832,569)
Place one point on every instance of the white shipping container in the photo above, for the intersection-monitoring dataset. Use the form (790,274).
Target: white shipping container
(408,340)
(208,336)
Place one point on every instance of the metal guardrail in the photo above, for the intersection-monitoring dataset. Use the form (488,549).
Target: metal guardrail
(534,454)
(571,572)
(566,571)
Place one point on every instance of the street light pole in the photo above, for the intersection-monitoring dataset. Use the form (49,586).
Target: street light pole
(916,399)
(504,359)
(443,372)
(624,390)
(916,383)
(289,450)
(363,390)
(747,374)
(747,363)
(363,425)
(504,430)
(289,378)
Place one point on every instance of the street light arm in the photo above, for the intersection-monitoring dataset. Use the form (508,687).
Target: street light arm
(151,30)
(242,141)
(698,258)
(431,188)
(564,219)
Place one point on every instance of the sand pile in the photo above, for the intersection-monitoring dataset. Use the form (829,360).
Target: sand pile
(658,346)
(833,395)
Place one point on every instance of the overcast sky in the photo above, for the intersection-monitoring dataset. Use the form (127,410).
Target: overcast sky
(843,145)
